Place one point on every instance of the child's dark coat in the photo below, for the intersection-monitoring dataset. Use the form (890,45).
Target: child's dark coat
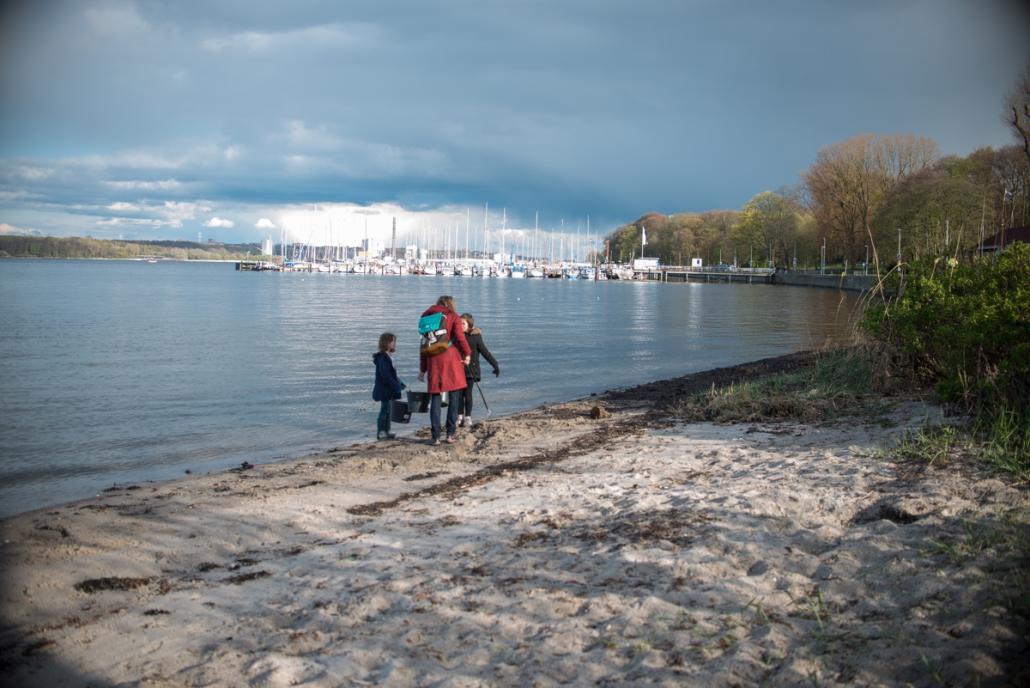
(388,385)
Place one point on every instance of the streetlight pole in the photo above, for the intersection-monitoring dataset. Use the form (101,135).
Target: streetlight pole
(822,258)
(866,264)
(1008,194)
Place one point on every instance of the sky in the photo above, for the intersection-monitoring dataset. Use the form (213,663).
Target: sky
(235,119)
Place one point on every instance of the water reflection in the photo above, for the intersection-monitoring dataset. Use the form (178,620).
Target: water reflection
(117,372)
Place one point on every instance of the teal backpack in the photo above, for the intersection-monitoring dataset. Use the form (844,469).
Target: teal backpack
(433,338)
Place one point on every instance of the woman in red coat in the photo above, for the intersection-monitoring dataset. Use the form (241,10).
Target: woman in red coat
(446,370)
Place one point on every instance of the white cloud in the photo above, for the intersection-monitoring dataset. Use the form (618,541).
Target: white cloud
(339,35)
(123,207)
(134,158)
(346,223)
(219,223)
(19,231)
(159,160)
(184,210)
(265,223)
(139,222)
(164,214)
(141,185)
(34,174)
(300,135)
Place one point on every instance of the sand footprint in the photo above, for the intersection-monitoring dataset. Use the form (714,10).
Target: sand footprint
(276,670)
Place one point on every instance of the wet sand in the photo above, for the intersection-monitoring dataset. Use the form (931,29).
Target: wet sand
(550,547)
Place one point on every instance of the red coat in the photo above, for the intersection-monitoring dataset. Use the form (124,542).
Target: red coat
(446,372)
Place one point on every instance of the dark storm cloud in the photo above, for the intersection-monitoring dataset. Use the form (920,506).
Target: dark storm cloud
(607,108)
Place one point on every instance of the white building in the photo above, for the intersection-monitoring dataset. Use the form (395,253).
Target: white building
(266,247)
(645,263)
(373,248)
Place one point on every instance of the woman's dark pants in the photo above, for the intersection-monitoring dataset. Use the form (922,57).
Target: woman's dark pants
(434,414)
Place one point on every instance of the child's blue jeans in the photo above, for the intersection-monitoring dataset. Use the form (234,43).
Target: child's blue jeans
(384,416)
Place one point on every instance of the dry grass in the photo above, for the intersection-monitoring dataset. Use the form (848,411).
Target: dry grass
(838,382)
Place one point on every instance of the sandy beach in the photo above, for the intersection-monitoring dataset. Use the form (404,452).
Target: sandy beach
(603,541)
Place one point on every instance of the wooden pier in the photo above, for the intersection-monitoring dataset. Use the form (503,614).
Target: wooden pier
(256,266)
(674,273)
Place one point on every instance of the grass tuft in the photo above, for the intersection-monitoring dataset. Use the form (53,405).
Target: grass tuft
(1000,444)
(834,386)
(1006,442)
(931,444)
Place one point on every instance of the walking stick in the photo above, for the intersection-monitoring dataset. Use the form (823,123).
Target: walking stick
(468,374)
(481,396)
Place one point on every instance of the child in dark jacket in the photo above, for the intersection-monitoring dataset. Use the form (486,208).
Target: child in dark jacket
(474,336)
(388,386)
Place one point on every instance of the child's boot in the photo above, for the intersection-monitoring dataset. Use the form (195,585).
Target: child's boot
(386,434)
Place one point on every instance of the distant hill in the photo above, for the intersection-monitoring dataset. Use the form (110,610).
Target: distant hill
(675,239)
(85,247)
(651,219)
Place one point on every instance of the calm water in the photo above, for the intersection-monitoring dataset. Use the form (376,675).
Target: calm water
(116,372)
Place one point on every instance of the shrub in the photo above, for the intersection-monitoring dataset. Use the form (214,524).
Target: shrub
(965,328)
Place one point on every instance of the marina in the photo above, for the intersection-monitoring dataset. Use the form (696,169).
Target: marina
(491,269)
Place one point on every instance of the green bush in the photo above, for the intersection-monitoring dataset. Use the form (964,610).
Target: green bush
(965,328)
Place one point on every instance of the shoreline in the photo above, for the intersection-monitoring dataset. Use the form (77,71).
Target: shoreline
(545,546)
(128,260)
(283,456)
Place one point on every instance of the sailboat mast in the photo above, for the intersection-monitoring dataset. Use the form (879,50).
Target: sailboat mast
(536,232)
(561,243)
(504,228)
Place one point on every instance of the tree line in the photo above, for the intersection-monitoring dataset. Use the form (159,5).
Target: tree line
(86,247)
(856,199)
(881,196)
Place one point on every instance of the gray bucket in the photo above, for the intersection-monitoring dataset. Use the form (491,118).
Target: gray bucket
(399,412)
(418,402)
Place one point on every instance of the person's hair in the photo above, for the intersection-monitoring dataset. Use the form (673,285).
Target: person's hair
(447,302)
(468,317)
(385,340)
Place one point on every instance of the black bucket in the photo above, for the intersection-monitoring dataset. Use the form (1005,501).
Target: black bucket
(418,402)
(399,412)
